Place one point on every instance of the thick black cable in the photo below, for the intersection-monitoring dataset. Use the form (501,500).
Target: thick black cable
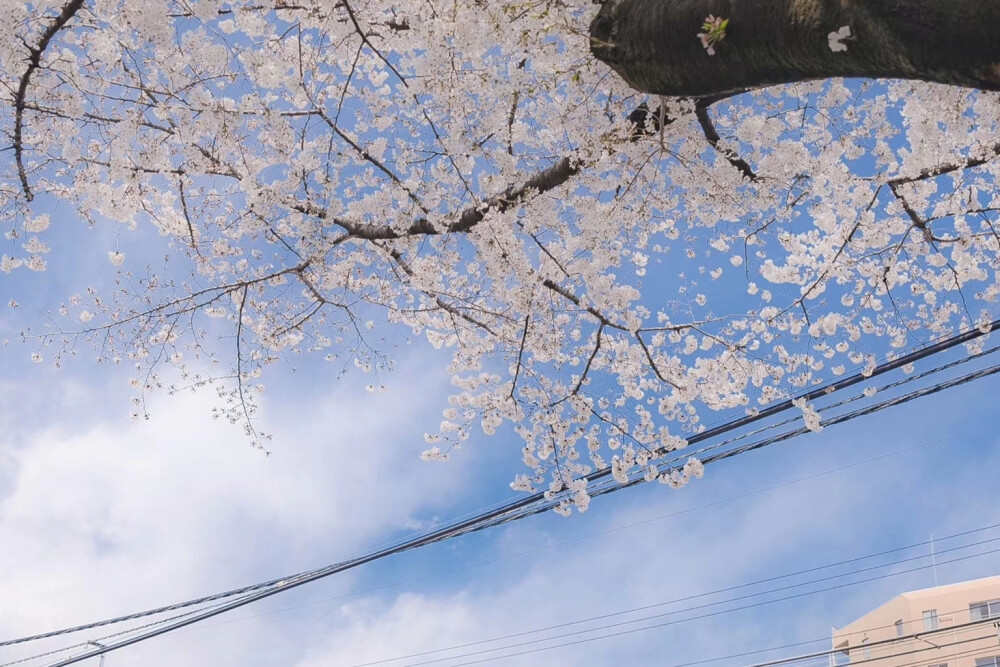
(847,401)
(497,516)
(624,527)
(972,653)
(638,478)
(899,400)
(635,524)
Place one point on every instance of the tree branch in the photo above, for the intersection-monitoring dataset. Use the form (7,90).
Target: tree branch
(654,44)
(708,127)
(34,62)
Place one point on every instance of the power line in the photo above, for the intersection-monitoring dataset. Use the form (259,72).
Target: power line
(976,652)
(625,527)
(587,640)
(617,529)
(637,478)
(891,640)
(513,511)
(94,641)
(922,649)
(667,623)
(818,659)
(711,593)
(467,526)
(628,526)
(847,401)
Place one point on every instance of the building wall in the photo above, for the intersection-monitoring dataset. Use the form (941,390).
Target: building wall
(874,639)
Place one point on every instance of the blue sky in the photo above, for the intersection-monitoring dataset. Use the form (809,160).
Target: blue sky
(100,515)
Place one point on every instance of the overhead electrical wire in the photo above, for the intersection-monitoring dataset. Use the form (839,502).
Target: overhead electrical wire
(627,526)
(638,478)
(94,641)
(587,640)
(821,659)
(891,640)
(532,504)
(703,606)
(972,653)
(696,596)
(466,527)
(697,607)
(853,399)
(288,582)
(611,531)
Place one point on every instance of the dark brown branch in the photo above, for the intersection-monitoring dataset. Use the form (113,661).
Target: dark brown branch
(520,355)
(510,122)
(652,362)
(441,303)
(708,127)
(34,62)
(541,182)
(949,167)
(187,215)
(590,360)
(915,218)
(364,40)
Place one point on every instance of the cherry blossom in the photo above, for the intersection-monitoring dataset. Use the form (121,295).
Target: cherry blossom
(606,268)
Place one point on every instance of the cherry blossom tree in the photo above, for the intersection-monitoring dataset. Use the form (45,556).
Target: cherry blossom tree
(610,253)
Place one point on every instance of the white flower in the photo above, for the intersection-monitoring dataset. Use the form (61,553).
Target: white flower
(836,39)
(116,258)
(86,316)
(8,264)
(36,357)
(809,414)
(39,224)
(694,468)
(35,246)
(434,454)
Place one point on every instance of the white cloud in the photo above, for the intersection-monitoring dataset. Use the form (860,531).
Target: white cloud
(121,516)
(797,526)
(113,518)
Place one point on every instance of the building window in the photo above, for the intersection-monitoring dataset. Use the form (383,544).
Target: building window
(931,621)
(942,664)
(866,650)
(988,662)
(899,628)
(982,610)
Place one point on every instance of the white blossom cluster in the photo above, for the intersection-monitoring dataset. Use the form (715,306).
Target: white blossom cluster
(332,177)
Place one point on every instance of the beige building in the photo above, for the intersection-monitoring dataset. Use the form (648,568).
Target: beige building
(945,626)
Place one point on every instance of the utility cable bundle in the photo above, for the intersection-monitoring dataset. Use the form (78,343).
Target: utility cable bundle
(599,483)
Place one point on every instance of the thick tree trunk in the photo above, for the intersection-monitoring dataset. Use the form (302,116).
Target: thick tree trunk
(654,44)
